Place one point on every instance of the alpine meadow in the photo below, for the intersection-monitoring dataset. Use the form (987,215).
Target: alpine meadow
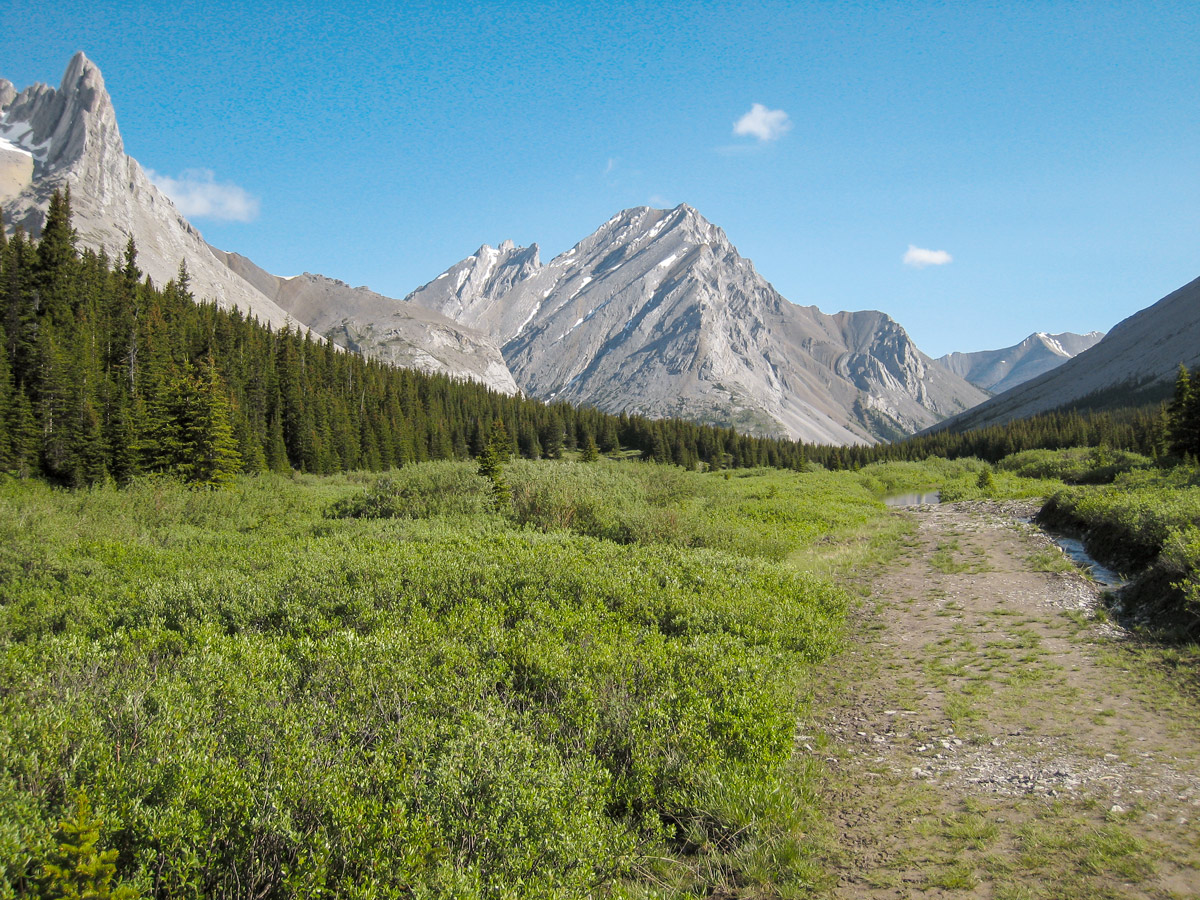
(608,570)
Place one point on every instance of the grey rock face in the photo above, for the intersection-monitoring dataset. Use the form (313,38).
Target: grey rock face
(656,313)
(999,370)
(1140,353)
(381,327)
(470,291)
(71,135)
(68,138)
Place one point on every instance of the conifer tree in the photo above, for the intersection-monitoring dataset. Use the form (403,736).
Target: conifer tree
(207,449)
(24,440)
(491,464)
(591,452)
(6,401)
(1183,416)
(57,261)
(276,448)
(78,868)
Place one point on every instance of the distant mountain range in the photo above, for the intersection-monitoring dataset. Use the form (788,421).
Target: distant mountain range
(657,313)
(1135,362)
(654,313)
(998,370)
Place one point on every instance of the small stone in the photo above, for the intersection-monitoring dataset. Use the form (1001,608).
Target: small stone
(1117,809)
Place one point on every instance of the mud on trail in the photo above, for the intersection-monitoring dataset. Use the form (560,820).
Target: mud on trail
(989,733)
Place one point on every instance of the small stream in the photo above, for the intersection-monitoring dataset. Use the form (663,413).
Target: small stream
(1074,549)
(927,498)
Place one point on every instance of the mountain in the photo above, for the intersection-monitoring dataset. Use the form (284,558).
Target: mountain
(381,327)
(55,140)
(1136,361)
(656,313)
(999,370)
(68,138)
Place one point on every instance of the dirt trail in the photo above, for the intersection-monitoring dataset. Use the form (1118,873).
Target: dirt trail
(990,735)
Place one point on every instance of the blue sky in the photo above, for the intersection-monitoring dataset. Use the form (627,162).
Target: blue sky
(1049,151)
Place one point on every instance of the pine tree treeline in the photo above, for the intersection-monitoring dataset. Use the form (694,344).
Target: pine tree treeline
(1142,430)
(103,375)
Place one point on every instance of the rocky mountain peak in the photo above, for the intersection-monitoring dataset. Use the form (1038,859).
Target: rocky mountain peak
(51,140)
(1000,370)
(656,313)
(58,128)
(68,138)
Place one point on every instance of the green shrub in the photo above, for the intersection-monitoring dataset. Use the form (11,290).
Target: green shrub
(1075,465)
(419,492)
(421,698)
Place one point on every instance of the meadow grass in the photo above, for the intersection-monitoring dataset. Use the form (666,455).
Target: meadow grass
(349,686)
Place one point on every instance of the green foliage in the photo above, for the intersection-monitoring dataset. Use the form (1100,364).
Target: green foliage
(986,481)
(1182,416)
(1133,428)
(420,491)
(1146,522)
(77,869)
(104,375)
(590,452)
(1075,465)
(766,514)
(1128,521)
(422,698)
(1181,557)
(491,464)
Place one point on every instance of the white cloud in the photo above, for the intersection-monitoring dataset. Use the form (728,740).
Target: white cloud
(919,258)
(198,194)
(612,164)
(762,123)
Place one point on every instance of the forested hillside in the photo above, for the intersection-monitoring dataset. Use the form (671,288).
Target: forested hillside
(104,375)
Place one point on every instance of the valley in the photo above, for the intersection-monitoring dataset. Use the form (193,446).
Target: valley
(576,578)
(612,677)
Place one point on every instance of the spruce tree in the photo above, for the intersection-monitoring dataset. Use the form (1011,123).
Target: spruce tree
(208,432)
(6,402)
(591,452)
(57,261)
(491,464)
(24,440)
(78,868)
(1191,417)
(1183,422)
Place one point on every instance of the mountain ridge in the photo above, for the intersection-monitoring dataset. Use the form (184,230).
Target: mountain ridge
(999,370)
(1140,356)
(664,317)
(654,313)
(68,139)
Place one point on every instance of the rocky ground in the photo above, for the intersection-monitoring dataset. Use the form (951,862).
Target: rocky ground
(991,733)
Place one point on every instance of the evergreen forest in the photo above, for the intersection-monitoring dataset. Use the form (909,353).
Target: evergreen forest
(104,375)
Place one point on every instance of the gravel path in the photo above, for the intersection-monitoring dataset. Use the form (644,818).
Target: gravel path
(989,734)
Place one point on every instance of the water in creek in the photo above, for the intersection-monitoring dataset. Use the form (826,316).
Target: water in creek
(1074,549)
(919,499)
